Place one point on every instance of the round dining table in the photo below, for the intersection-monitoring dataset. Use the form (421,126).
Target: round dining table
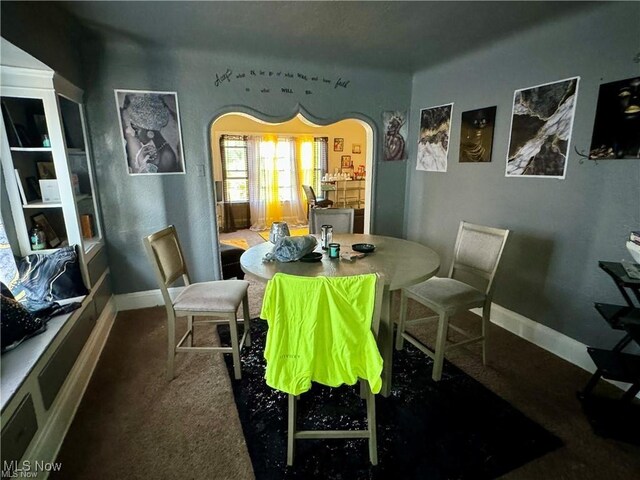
(402,263)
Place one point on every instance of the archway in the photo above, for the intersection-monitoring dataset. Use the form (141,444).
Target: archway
(357,148)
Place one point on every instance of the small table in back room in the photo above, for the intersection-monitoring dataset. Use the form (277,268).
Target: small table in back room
(403,263)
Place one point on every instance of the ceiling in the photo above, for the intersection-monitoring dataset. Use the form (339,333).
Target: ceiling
(390,35)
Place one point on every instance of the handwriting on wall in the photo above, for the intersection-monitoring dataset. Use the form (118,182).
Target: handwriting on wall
(295,82)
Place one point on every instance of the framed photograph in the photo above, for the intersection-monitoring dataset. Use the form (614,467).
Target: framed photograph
(355,148)
(346,162)
(617,123)
(46,171)
(476,135)
(52,237)
(541,124)
(338,144)
(151,134)
(433,143)
(395,128)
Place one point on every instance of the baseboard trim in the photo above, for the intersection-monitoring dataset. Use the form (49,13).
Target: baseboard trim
(145,299)
(551,340)
(49,441)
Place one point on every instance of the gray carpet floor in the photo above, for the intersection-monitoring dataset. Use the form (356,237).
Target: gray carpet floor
(133,424)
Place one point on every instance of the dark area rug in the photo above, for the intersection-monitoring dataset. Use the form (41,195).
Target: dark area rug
(452,429)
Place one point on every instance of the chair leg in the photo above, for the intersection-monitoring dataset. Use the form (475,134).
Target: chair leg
(190,329)
(171,336)
(247,320)
(371,425)
(235,345)
(486,321)
(291,429)
(401,321)
(441,341)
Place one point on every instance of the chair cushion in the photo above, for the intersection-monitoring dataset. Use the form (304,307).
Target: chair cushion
(218,296)
(446,295)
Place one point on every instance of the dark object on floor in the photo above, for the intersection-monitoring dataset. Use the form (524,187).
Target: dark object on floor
(230,258)
(455,428)
(612,418)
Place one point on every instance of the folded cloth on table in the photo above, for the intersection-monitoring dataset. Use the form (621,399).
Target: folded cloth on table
(290,249)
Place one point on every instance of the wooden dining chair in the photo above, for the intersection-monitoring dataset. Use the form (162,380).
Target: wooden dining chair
(469,285)
(298,303)
(217,300)
(340,218)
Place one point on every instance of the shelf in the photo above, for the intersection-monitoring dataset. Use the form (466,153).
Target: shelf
(76,151)
(30,149)
(617,315)
(41,204)
(83,196)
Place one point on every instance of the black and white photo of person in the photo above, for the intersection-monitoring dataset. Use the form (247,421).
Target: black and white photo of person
(433,143)
(541,125)
(395,134)
(616,130)
(476,135)
(150,129)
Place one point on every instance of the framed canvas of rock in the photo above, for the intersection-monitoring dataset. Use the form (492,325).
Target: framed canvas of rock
(433,142)
(150,128)
(541,124)
(395,128)
(616,131)
(476,135)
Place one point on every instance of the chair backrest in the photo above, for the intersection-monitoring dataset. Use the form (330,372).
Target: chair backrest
(322,337)
(311,195)
(477,254)
(165,254)
(340,218)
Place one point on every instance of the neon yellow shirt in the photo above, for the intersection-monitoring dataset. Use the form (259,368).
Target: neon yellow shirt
(320,330)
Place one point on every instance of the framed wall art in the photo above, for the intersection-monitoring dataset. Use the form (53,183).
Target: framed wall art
(395,128)
(433,142)
(346,162)
(541,124)
(150,129)
(476,135)
(46,170)
(338,144)
(616,131)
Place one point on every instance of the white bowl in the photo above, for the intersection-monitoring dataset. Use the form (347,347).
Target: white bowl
(634,250)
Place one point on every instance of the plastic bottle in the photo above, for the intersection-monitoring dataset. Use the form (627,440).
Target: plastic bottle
(37,238)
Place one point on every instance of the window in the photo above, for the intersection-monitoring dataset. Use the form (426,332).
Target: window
(280,159)
(235,169)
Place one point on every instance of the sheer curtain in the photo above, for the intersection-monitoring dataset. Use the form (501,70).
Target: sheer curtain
(275,182)
(278,167)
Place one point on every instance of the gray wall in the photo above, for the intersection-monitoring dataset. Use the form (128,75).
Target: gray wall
(134,206)
(560,228)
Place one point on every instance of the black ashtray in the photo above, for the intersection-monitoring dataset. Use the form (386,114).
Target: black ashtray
(363,247)
(312,257)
